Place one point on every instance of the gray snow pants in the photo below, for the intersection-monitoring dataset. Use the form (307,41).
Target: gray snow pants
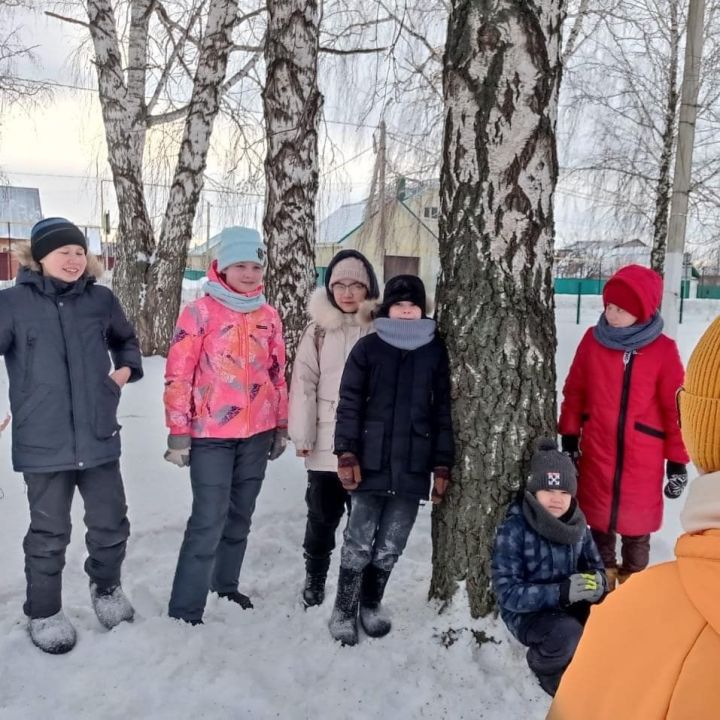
(50,498)
(226,476)
(377,530)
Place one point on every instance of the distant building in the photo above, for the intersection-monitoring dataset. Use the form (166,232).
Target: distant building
(200,256)
(408,244)
(19,211)
(599,258)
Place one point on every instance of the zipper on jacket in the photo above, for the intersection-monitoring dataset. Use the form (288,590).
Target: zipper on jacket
(246,355)
(29,362)
(628,358)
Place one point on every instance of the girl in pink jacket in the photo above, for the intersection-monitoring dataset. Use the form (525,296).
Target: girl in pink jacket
(226,408)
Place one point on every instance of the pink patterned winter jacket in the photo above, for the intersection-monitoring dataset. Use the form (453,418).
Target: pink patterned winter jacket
(225,371)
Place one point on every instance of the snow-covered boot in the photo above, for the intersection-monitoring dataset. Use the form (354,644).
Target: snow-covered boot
(315,575)
(373,617)
(54,634)
(343,621)
(111,605)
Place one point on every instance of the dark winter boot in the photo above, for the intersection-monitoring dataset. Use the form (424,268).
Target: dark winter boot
(343,621)
(315,574)
(54,634)
(374,619)
(111,605)
(237,597)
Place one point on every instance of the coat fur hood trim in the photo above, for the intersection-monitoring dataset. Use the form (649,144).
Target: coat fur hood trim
(328,317)
(24,256)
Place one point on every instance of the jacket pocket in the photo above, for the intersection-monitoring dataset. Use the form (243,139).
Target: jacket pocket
(421,446)
(373,438)
(106,405)
(647,430)
(36,424)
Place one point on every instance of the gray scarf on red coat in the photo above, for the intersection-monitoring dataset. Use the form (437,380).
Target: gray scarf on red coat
(629,338)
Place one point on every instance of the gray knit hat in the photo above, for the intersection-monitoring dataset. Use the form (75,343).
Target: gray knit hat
(551,470)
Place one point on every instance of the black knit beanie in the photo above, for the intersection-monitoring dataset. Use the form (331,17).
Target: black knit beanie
(52,233)
(403,288)
(551,470)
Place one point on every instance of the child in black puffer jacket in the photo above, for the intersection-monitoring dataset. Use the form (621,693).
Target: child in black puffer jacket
(393,430)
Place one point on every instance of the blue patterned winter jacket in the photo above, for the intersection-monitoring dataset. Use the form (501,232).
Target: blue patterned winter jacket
(528,569)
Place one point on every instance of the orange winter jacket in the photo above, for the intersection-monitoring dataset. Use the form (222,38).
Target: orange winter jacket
(651,650)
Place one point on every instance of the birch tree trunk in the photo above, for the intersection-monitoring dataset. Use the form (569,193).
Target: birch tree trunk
(164,290)
(291,104)
(664,183)
(122,100)
(148,274)
(495,300)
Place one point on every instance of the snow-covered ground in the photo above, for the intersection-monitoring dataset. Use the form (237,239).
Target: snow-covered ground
(278,660)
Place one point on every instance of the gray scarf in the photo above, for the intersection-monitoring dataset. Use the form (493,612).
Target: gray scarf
(234,300)
(405,334)
(629,338)
(563,532)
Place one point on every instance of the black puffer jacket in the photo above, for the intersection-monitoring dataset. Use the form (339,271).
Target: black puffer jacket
(63,402)
(394,414)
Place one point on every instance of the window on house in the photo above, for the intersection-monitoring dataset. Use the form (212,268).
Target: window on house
(431,211)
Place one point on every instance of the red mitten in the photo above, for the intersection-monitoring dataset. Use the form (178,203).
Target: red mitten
(440,483)
(349,471)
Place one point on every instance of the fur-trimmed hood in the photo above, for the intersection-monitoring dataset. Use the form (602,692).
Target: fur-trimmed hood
(328,317)
(24,256)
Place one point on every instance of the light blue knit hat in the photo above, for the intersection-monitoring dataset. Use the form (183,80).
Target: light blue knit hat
(240,244)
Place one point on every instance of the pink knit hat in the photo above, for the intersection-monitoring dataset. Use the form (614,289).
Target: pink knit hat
(350,269)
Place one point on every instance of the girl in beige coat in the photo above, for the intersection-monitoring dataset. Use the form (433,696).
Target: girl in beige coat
(340,315)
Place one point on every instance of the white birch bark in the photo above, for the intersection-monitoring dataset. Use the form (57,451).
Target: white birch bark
(291,103)
(148,273)
(495,302)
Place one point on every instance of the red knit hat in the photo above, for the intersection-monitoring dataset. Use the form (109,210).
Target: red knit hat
(635,289)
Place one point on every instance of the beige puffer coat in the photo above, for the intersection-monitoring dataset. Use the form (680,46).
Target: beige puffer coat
(316,380)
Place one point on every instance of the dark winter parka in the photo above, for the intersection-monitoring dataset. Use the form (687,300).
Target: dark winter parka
(528,569)
(394,414)
(62,400)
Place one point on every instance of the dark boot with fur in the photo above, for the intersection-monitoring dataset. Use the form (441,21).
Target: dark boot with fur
(374,619)
(343,621)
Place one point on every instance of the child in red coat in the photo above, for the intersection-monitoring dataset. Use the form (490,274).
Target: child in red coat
(619,420)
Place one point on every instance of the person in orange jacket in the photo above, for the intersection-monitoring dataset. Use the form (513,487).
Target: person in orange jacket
(652,649)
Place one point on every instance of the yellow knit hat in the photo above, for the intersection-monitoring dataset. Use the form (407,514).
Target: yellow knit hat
(700,401)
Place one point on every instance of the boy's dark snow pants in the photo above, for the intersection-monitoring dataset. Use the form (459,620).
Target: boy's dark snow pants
(552,637)
(50,498)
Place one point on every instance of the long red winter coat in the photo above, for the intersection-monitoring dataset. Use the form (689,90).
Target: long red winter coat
(623,408)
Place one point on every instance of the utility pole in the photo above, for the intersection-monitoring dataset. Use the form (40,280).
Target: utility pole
(683,167)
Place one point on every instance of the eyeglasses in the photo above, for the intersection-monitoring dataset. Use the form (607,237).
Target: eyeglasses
(353,288)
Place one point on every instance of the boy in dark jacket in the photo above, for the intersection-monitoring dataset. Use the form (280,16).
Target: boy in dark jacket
(57,332)
(546,568)
(393,430)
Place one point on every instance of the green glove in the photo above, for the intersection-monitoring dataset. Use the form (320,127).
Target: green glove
(579,587)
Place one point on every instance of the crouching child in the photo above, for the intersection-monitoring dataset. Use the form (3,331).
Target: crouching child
(546,568)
